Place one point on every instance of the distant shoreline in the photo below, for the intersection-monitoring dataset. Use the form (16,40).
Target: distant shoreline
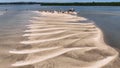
(64,4)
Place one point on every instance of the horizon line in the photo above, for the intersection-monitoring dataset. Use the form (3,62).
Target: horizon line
(55,2)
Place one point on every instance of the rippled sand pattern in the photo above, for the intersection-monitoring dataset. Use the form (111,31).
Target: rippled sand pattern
(61,41)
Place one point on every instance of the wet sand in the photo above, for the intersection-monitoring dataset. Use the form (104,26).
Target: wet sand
(53,40)
(2,12)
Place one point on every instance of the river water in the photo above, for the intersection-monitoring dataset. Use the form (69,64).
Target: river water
(105,17)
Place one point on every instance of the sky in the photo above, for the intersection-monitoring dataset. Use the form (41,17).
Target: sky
(59,0)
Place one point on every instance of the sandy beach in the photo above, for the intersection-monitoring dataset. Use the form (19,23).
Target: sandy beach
(58,40)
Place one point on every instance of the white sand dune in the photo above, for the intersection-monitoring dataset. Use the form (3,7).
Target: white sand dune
(35,30)
(35,50)
(28,51)
(82,43)
(41,34)
(60,19)
(39,26)
(79,23)
(103,62)
(58,23)
(46,40)
(46,26)
(48,56)
(36,25)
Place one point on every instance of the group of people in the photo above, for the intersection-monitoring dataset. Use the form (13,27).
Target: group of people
(70,11)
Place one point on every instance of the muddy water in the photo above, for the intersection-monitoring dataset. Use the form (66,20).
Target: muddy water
(12,24)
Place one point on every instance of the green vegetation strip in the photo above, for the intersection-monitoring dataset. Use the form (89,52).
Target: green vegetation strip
(66,4)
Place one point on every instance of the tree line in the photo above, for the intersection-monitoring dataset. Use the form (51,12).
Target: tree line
(66,4)
(83,4)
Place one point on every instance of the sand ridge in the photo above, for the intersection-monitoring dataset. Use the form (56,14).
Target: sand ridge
(58,29)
